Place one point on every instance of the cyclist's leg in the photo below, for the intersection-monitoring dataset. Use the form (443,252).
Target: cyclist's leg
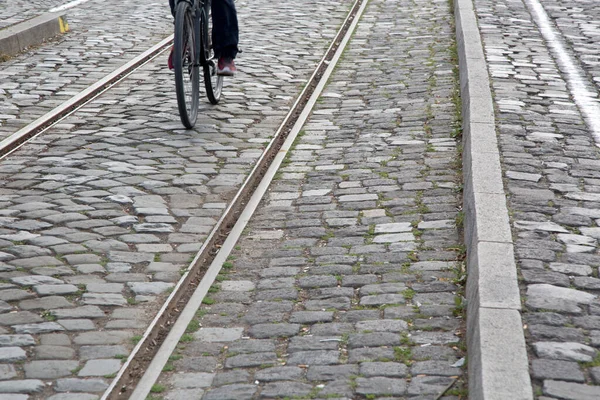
(172,5)
(225,32)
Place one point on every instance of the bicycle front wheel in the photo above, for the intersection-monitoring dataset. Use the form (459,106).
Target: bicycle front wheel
(187,71)
(213,83)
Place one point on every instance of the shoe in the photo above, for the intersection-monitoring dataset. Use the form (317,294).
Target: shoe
(226,67)
(170,60)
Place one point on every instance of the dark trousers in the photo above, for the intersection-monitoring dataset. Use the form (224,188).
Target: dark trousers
(225,32)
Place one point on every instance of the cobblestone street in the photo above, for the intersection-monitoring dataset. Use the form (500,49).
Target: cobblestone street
(102,38)
(431,233)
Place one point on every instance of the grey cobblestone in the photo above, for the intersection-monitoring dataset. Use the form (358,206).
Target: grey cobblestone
(232,392)
(22,386)
(12,354)
(49,369)
(80,385)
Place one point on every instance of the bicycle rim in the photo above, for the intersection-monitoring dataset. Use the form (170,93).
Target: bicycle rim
(187,74)
(212,82)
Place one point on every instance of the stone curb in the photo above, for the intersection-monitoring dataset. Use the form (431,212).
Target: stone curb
(17,38)
(498,364)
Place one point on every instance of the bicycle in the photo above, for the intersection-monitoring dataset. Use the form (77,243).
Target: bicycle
(192,49)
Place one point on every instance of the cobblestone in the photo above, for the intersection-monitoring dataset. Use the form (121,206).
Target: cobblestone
(99,204)
(80,385)
(48,369)
(100,368)
(12,354)
(21,386)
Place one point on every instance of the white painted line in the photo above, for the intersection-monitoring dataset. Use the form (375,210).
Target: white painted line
(584,93)
(155,368)
(68,5)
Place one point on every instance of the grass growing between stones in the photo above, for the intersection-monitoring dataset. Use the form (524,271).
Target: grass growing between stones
(186,338)
(460,220)
(193,326)
(213,289)
(168,367)
(403,355)
(421,207)
(157,388)
(461,393)
(594,363)
(408,294)
(135,339)
(406,340)
(132,301)
(48,316)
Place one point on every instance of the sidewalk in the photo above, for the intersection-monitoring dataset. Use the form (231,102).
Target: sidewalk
(347,282)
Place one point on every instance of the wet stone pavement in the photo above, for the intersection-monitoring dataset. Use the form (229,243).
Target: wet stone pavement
(99,215)
(550,165)
(346,282)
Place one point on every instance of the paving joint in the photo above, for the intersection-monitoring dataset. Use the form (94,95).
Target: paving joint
(16,38)
(498,364)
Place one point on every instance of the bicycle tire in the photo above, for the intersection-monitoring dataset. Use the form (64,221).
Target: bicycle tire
(187,71)
(213,83)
